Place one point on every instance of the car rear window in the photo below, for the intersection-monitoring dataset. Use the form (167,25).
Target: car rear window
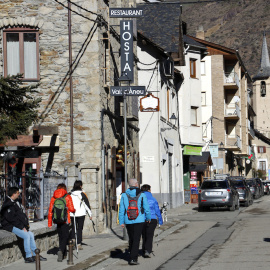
(250,182)
(238,183)
(214,184)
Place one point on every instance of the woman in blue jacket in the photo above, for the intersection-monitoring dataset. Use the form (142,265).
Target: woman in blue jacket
(149,228)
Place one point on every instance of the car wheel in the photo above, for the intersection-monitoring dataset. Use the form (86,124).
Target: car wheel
(251,202)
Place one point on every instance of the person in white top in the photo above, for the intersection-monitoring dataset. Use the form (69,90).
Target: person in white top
(82,206)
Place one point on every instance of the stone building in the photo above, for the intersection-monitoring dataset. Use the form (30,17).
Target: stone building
(80,125)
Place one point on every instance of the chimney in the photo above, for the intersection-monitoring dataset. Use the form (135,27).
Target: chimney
(200,33)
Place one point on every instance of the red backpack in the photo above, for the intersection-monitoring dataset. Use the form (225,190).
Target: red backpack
(133,210)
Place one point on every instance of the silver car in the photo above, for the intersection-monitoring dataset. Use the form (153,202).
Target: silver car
(218,193)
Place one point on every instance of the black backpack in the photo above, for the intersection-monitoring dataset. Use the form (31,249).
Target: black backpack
(60,210)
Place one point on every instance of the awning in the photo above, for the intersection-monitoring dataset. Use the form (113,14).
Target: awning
(198,167)
(205,158)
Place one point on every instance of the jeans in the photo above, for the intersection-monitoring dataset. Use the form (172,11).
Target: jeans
(28,241)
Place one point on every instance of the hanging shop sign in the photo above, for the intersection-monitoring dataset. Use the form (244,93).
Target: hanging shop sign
(127,90)
(126,40)
(149,103)
(125,12)
(192,150)
(213,148)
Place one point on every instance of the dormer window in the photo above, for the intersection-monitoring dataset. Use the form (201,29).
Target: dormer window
(263,89)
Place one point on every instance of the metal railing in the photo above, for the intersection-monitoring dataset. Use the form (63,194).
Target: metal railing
(231,77)
(233,111)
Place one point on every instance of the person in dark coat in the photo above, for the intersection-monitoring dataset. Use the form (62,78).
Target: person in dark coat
(14,219)
(149,228)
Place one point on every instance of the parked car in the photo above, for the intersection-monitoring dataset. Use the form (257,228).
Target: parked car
(260,185)
(254,188)
(244,192)
(266,188)
(219,193)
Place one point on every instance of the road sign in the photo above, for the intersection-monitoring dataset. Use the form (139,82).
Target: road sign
(127,90)
(126,12)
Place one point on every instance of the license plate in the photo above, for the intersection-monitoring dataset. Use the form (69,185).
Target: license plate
(214,193)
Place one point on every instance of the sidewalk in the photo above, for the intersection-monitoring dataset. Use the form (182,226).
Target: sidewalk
(99,247)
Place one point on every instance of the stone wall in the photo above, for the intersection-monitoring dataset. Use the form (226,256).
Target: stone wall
(11,247)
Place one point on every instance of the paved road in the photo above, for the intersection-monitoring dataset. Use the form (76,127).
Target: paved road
(213,240)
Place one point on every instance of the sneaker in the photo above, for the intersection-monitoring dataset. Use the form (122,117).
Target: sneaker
(40,258)
(147,254)
(80,247)
(133,262)
(60,256)
(29,260)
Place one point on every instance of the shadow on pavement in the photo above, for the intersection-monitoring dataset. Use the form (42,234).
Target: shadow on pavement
(118,253)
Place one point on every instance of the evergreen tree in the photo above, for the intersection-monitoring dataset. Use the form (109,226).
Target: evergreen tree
(18,107)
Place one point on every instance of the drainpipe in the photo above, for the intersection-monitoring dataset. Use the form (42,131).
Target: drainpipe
(70,80)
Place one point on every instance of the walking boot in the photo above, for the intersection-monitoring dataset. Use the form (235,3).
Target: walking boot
(60,256)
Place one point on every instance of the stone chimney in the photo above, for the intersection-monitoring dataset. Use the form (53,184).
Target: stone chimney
(200,33)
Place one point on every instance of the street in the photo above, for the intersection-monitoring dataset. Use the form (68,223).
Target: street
(218,239)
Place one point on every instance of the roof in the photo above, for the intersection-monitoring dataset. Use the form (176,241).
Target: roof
(262,137)
(161,24)
(193,42)
(264,71)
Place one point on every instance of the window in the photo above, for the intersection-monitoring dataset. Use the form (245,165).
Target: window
(193,68)
(21,53)
(262,165)
(203,98)
(204,130)
(261,149)
(203,68)
(193,116)
(263,89)
(231,131)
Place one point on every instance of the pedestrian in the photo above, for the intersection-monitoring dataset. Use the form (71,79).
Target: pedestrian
(82,206)
(63,228)
(134,201)
(149,228)
(14,219)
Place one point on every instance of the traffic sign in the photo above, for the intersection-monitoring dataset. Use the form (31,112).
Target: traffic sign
(127,90)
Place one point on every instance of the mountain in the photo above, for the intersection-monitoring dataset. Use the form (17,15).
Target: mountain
(237,24)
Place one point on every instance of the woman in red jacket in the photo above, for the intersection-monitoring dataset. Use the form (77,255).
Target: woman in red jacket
(62,228)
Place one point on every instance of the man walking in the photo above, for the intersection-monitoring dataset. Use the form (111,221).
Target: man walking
(134,211)
(14,219)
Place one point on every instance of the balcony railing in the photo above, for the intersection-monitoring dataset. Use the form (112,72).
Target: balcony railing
(238,142)
(233,112)
(233,144)
(231,78)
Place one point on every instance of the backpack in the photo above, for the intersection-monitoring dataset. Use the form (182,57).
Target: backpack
(133,210)
(60,210)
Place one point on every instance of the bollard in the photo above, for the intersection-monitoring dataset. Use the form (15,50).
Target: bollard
(37,251)
(70,252)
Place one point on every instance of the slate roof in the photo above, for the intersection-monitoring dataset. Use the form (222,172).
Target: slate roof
(264,71)
(160,24)
(193,42)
